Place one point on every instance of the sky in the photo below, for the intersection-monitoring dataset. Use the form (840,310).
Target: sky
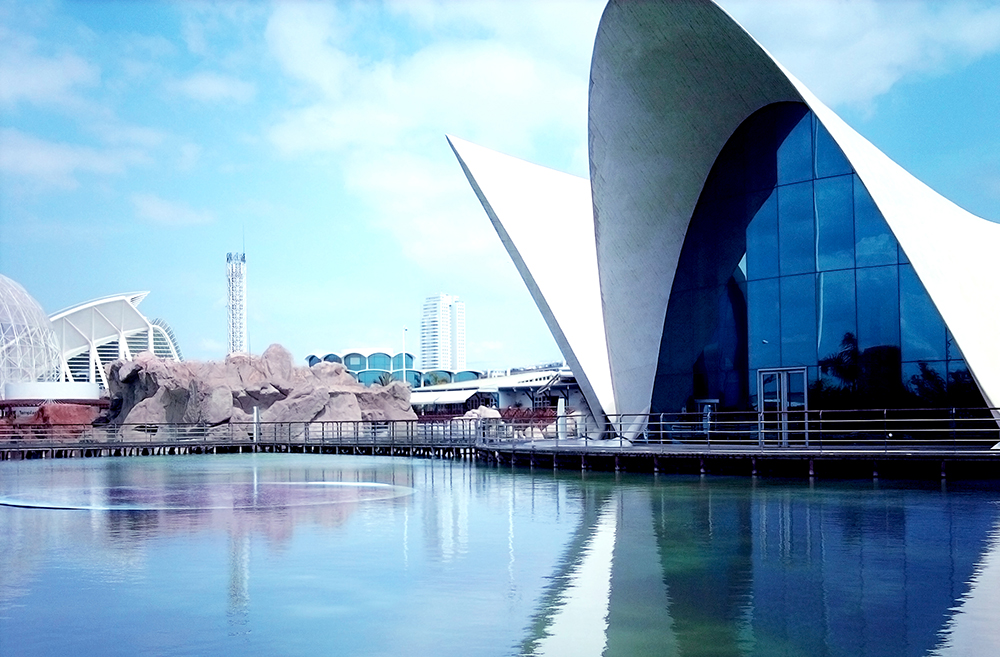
(141,141)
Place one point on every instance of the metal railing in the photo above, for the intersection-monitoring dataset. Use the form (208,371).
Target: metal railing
(456,432)
(955,430)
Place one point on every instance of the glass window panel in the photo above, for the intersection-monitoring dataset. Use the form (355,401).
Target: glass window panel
(798,320)
(830,160)
(951,347)
(962,389)
(874,243)
(903,260)
(927,382)
(762,241)
(878,307)
(379,361)
(796,243)
(763,326)
(355,362)
(834,223)
(922,333)
(795,153)
(836,316)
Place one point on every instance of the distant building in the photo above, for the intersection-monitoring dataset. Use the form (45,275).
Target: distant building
(94,334)
(374,367)
(442,333)
(236,302)
(66,356)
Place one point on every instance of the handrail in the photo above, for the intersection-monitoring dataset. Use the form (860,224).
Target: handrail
(814,430)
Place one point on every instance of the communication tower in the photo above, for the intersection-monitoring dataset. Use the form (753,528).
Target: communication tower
(236,269)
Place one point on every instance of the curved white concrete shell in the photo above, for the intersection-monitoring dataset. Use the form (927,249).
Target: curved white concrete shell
(93,334)
(545,221)
(672,83)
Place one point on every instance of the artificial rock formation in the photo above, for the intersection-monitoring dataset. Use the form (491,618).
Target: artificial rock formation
(150,390)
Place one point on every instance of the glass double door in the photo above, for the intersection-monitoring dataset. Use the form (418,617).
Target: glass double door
(781,407)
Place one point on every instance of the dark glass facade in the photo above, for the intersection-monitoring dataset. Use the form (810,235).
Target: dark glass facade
(788,263)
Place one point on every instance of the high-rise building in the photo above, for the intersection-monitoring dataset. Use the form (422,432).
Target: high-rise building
(236,269)
(442,333)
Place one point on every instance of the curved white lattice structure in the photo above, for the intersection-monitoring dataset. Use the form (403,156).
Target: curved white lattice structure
(96,333)
(28,349)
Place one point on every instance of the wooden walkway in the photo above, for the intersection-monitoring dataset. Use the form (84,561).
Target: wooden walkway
(845,462)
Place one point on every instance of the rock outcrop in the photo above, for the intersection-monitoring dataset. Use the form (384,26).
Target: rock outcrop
(150,390)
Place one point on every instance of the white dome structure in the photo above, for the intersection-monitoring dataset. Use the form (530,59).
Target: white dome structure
(28,348)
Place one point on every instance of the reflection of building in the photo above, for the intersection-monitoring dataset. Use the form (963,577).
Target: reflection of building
(738,239)
(236,301)
(442,333)
(673,569)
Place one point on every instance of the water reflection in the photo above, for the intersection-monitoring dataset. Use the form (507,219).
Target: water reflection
(282,554)
(721,568)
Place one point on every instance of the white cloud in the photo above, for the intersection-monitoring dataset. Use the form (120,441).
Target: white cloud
(154,209)
(852,51)
(213,87)
(57,164)
(29,77)
(385,116)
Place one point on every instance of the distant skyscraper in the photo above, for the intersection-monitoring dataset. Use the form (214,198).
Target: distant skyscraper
(236,268)
(442,334)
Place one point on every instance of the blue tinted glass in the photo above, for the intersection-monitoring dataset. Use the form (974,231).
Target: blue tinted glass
(798,320)
(922,334)
(830,160)
(951,347)
(834,223)
(836,312)
(332,358)
(763,326)
(355,362)
(927,381)
(903,260)
(874,243)
(762,241)
(878,307)
(413,378)
(795,153)
(312,360)
(379,361)
(796,241)
(369,377)
(962,389)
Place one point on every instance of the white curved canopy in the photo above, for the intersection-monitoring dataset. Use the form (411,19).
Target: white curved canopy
(94,333)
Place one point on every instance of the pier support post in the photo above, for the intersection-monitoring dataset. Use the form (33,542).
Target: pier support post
(811,470)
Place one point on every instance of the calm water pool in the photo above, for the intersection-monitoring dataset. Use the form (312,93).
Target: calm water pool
(342,555)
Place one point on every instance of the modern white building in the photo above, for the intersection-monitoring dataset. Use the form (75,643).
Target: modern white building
(738,244)
(65,356)
(236,301)
(94,334)
(442,333)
